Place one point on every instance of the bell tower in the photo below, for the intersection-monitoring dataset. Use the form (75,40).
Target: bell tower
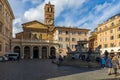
(49,16)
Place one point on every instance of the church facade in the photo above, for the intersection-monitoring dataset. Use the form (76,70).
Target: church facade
(36,40)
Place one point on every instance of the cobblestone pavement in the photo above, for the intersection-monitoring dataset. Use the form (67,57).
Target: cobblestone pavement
(45,70)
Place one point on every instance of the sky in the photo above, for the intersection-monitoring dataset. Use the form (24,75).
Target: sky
(70,13)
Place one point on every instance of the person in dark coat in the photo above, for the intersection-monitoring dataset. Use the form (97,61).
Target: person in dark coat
(109,64)
(106,54)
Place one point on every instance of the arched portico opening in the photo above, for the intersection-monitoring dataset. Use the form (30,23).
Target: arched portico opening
(52,52)
(17,50)
(35,52)
(44,52)
(26,52)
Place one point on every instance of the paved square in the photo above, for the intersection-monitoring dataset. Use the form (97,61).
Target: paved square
(45,70)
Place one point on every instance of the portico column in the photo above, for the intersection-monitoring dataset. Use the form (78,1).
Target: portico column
(12,49)
(47,51)
(57,51)
(31,52)
(22,52)
(40,52)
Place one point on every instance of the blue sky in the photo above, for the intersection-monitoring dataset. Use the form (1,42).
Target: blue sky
(75,13)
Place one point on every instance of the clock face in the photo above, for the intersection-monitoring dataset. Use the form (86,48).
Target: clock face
(50,22)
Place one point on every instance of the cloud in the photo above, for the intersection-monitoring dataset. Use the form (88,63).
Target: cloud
(67,12)
(17,26)
(32,1)
(101,7)
(35,13)
(106,12)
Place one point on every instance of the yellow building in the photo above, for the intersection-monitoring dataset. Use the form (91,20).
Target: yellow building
(108,34)
(6,18)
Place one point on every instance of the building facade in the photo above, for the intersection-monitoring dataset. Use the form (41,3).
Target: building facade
(68,37)
(108,34)
(6,18)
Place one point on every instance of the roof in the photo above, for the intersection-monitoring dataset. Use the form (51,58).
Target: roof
(34,24)
(63,27)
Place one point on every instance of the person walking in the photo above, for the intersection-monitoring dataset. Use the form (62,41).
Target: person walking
(109,64)
(115,64)
(103,62)
(106,54)
(60,58)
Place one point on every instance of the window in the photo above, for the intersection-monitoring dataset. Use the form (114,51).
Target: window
(111,37)
(105,45)
(0,47)
(79,33)
(100,40)
(85,34)
(119,43)
(66,32)
(111,31)
(79,39)
(0,7)
(73,33)
(67,45)
(105,39)
(60,39)
(105,33)
(60,32)
(112,24)
(73,39)
(105,27)
(35,36)
(118,29)
(0,27)
(73,46)
(60,46)
(119,21)
(67,39)
(30,35)
(111,44)
(100,29)
(118,35)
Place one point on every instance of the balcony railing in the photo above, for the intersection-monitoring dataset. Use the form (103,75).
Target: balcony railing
(33,41)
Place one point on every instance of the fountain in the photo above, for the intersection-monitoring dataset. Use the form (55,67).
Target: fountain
(81,49)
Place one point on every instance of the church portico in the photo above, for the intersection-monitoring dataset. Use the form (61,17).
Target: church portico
(33,50)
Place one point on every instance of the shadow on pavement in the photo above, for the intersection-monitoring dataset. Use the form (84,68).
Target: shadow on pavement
(37,70)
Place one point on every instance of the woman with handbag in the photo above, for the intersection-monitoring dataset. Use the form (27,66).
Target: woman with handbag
(115,64)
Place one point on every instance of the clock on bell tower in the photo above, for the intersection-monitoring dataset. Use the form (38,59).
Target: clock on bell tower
(49,15)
